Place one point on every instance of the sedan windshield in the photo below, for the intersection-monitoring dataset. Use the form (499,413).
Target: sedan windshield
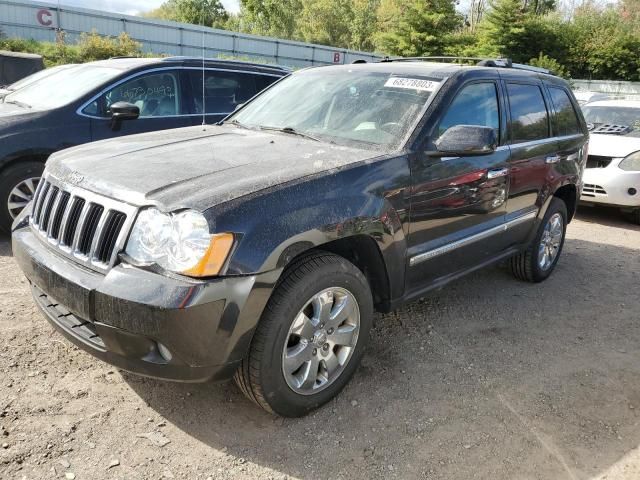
(62,87)
(628,116)
(341,106)
(37,77)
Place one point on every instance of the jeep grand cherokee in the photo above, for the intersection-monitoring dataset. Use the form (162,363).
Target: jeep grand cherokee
(261,247)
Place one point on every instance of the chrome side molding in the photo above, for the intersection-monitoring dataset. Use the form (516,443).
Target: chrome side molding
(428,255)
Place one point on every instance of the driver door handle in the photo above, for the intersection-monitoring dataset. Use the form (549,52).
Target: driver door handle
(498,172)
(552,159)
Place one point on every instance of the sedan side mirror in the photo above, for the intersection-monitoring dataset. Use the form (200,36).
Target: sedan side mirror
(467,140)
(124,111)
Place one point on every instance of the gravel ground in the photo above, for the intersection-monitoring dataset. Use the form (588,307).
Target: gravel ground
(491,378)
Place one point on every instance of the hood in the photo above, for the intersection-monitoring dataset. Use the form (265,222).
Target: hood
(615,146)
(11,114)
(196,168)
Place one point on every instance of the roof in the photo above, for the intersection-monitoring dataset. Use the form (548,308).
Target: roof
(438,69)
(614,103)
(127,63)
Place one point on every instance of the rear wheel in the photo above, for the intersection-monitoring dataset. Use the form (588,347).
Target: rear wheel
(18,184)
(311,336)
(537,262)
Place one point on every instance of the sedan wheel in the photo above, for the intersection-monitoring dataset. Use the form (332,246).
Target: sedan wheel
(21,195)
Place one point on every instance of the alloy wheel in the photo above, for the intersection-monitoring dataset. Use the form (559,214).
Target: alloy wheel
(550,241)
(21,195)
(321,341)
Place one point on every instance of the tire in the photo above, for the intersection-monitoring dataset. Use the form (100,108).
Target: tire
(527,264)
(634,216)
(262,376)
(10,178)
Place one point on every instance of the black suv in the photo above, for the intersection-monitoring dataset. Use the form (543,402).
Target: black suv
(83,103)
(260,247)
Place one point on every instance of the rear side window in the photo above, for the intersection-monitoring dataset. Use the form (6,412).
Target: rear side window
(566,118)
(263,81)
(475,104)
(529,117)
(223,91)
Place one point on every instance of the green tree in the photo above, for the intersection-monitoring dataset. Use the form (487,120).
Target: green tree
(276,18)
(363,25)
(545,61)
(327,22)
(210,13)
(416,27)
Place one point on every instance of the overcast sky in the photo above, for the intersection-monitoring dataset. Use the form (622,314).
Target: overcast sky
(132,7)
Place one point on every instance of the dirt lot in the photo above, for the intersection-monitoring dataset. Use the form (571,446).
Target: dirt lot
(491,378)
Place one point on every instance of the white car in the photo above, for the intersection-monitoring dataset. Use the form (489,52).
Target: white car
(585,97)
(612,173)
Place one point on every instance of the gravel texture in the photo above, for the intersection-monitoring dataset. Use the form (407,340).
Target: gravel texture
(490,378)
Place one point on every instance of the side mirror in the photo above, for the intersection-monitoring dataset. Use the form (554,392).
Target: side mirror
(467,140)
(124,111)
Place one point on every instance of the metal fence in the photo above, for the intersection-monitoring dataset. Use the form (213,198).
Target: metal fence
(622,90)
(41,20)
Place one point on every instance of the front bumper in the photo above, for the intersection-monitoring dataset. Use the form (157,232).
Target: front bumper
(143,322)
(610,186)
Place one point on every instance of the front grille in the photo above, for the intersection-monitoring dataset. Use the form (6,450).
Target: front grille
(87,227)
(591,190)
(597,161)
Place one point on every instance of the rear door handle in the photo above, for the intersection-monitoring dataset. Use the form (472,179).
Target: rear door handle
(552,159)
(498,172)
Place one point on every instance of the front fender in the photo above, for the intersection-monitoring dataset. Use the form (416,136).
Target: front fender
(275,226)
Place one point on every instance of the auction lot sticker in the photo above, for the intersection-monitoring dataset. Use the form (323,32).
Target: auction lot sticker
(411,83)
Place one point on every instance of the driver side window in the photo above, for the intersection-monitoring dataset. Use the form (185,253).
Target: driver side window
(155,94)
(475,104)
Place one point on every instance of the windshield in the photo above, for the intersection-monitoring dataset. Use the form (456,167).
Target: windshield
(341,106)
(35,77)
(629,116)
(62,87)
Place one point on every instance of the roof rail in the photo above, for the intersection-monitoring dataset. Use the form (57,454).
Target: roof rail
(206,59)
(479,61)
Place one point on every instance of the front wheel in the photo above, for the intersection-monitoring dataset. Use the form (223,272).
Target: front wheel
(537,262)
(311,336)
(634,216)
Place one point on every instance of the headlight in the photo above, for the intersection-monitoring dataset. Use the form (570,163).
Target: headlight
(178,242)
(631,162)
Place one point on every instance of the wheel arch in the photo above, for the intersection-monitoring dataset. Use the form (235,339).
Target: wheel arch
(569,195)
(364,252)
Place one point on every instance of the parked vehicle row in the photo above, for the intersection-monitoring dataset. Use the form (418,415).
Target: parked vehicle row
(259,248)
(77,104)
(612,175)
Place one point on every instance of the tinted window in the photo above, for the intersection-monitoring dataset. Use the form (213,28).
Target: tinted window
(263,81)
(566,118)
(223,91)
(155,94)
(476,104)
(529,117)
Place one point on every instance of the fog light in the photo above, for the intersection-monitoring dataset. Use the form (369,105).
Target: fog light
(164,352)
(632,191)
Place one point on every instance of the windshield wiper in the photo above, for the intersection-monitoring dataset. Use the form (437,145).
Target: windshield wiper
(291,131)
(234,122)
(19,103)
